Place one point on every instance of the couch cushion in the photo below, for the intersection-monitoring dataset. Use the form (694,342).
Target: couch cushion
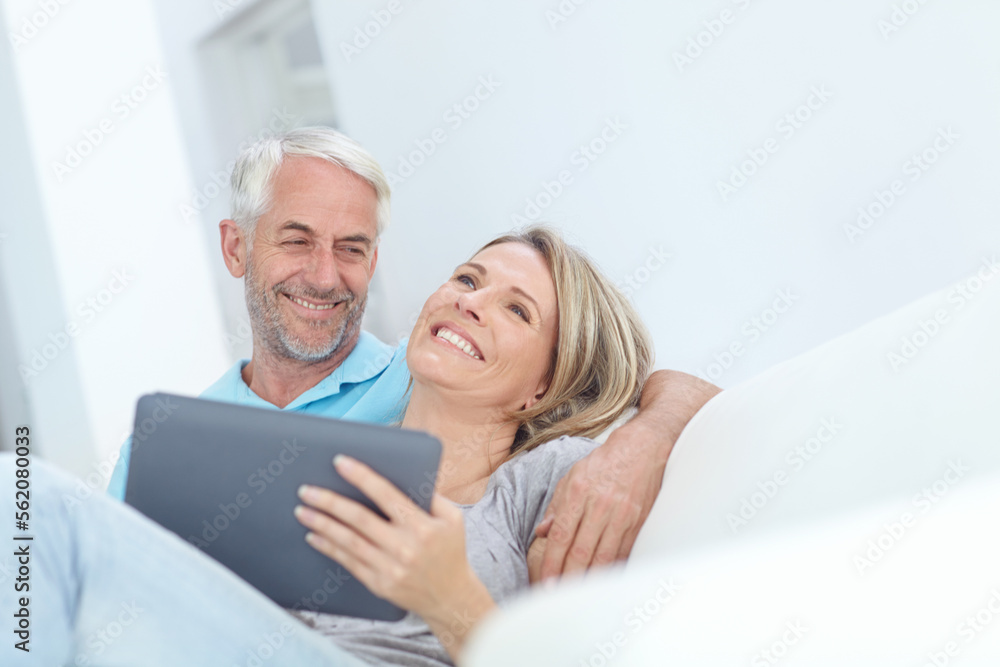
(883,412)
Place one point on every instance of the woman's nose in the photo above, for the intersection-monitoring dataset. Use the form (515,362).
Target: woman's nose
(469,304)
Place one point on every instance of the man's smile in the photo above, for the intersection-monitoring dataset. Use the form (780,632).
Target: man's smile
(312,305)
(317,311)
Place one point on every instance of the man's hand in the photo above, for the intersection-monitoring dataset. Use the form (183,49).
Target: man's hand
(600,505)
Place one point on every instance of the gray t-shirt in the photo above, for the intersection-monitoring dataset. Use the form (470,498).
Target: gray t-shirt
(499,528)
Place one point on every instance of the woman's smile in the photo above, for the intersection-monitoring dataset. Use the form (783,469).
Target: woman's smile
(454,336)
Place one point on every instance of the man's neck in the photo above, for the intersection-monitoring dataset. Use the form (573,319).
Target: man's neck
(279,380)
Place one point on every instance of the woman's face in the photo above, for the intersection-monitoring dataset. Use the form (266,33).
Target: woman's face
(489,331)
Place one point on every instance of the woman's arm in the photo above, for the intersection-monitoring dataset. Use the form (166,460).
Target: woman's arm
(415,560)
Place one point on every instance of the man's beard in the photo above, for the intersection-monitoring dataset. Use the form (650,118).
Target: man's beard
(269,329)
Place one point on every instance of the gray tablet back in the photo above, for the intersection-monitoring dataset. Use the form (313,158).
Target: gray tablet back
(224,477)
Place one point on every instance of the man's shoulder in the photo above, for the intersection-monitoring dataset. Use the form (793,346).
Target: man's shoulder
(373,372)
(228,387)
(371,357)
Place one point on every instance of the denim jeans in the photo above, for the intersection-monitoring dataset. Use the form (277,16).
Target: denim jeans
(110,587)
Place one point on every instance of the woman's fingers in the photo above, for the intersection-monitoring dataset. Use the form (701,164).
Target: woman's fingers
(339,542)
(406,561)
(394,503)
(366,562)
(356,536)
(347,512)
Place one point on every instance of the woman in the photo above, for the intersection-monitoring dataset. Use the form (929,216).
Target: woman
(525,345)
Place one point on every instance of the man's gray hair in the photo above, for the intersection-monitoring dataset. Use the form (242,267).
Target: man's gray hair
(253,175)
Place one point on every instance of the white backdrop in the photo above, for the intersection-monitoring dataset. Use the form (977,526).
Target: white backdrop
(821,106)
(713,157)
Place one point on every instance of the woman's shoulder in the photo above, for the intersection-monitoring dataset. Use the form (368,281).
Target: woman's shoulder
(545,464)
(567,445)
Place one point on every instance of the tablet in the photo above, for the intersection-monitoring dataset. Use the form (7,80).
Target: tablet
(225,477)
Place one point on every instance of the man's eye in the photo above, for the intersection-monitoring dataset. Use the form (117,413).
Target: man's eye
(296,242)
(352,253)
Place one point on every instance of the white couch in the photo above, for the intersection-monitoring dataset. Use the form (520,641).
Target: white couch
(842,508)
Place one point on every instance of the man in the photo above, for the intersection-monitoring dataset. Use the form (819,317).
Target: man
(308,208)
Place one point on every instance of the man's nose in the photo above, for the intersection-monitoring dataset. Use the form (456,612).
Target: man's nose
(322,270)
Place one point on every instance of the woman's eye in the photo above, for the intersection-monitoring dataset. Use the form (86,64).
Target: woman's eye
(520,312)
(466,280)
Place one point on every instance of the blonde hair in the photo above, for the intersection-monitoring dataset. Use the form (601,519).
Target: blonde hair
(603,352)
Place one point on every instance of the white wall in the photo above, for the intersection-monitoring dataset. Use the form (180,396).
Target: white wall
(687,128)
(31,303)
(124,281)
(654,189)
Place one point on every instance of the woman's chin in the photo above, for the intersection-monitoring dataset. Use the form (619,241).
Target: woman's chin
(432,369)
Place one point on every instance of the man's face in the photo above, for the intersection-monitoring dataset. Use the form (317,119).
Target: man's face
(313,255)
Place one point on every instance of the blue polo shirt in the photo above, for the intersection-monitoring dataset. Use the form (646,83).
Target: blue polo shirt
(369,386)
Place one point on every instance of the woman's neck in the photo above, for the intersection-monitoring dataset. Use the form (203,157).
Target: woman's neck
(474,441)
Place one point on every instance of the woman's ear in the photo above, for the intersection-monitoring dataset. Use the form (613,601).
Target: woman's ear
(537,397)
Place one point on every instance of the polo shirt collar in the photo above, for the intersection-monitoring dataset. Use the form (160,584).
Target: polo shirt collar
(367,360)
